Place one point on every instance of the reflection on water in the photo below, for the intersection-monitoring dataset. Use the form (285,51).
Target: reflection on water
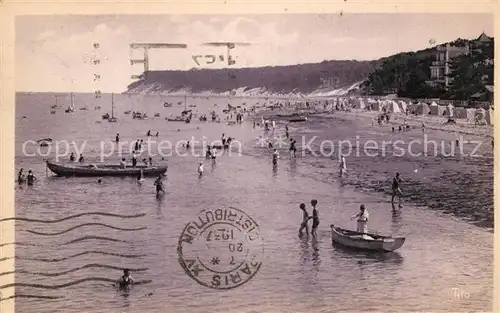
(299,274)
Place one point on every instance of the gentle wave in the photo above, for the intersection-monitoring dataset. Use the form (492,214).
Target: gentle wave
(83,225)
(76,282)
(93,265)
(130,256)
(25,219)
(65,243)
(31,297)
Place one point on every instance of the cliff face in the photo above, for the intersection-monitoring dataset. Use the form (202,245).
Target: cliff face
(320,79)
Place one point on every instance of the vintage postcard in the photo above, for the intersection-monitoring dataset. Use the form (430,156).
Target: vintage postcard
(237,159)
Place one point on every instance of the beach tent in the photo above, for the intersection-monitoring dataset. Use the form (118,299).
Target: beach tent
(402,106)
(471,114)
(488,116)
(393,107)
(434,108)
(449,110)
(359,105)
(376,106)
(460,112)
(422,108)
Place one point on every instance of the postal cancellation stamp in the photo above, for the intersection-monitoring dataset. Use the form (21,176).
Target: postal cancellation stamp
(221,248)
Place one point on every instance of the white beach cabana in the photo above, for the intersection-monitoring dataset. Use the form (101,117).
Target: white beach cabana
(460,112)
(402,106)
(422,108)
(376,106)
(488,116)
(434,108)
(393,107)
(449,110)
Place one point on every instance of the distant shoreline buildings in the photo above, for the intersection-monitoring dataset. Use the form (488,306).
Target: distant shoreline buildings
(440,68)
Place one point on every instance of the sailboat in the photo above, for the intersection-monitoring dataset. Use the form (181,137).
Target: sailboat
(112,119)
(71,108)
(55,105)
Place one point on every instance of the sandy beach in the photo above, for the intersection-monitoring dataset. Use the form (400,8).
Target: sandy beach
(438,173)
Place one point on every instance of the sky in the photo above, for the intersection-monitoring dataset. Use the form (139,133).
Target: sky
(56,52)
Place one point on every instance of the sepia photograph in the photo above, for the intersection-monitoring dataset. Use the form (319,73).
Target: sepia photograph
(336,162)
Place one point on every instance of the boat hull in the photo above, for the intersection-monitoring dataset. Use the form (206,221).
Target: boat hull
(355,240)
(103,170)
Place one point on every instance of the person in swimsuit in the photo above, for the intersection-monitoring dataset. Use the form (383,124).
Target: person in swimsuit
(126,280)
(214,155)
(305,219)
(293,149)
(343,167)
(72,157)
(396,190)
(117,138)
(30,178)
(159,185)
(276,156)
(315,218)
(20,177)
(81,158)
(200,169)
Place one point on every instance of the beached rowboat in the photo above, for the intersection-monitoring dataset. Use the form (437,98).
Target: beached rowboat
(104,170)
(362,241)
(298,119)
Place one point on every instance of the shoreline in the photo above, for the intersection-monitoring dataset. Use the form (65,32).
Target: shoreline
(461,186)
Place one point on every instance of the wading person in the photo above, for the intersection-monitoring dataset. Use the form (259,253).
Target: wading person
(343,167)
(159,185)
(30,178)
(126,280)
(315,218)
(200,169)
(293,149)
(275,157)
(305,219)
(20,177)
(396,190)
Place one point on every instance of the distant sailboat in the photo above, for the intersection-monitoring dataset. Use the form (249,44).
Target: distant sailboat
(112,119)
(71,108)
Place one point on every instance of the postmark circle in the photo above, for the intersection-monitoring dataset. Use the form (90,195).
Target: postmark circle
(221,248)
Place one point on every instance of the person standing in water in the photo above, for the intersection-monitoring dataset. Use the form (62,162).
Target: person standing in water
(362,217)
(200,169)
(140,178)
(343,167)
(30,178)
(293,149)
(159,185)
(315,218)
(117,138)
(396,190)
(20,177)
(214,155)
(305,220)
(276,156)
(126,280)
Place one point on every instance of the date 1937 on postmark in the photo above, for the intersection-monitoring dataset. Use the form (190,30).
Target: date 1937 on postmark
(221,248)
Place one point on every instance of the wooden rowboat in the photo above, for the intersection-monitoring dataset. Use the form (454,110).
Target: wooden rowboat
(104,170)
(298,119)
(372,242)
